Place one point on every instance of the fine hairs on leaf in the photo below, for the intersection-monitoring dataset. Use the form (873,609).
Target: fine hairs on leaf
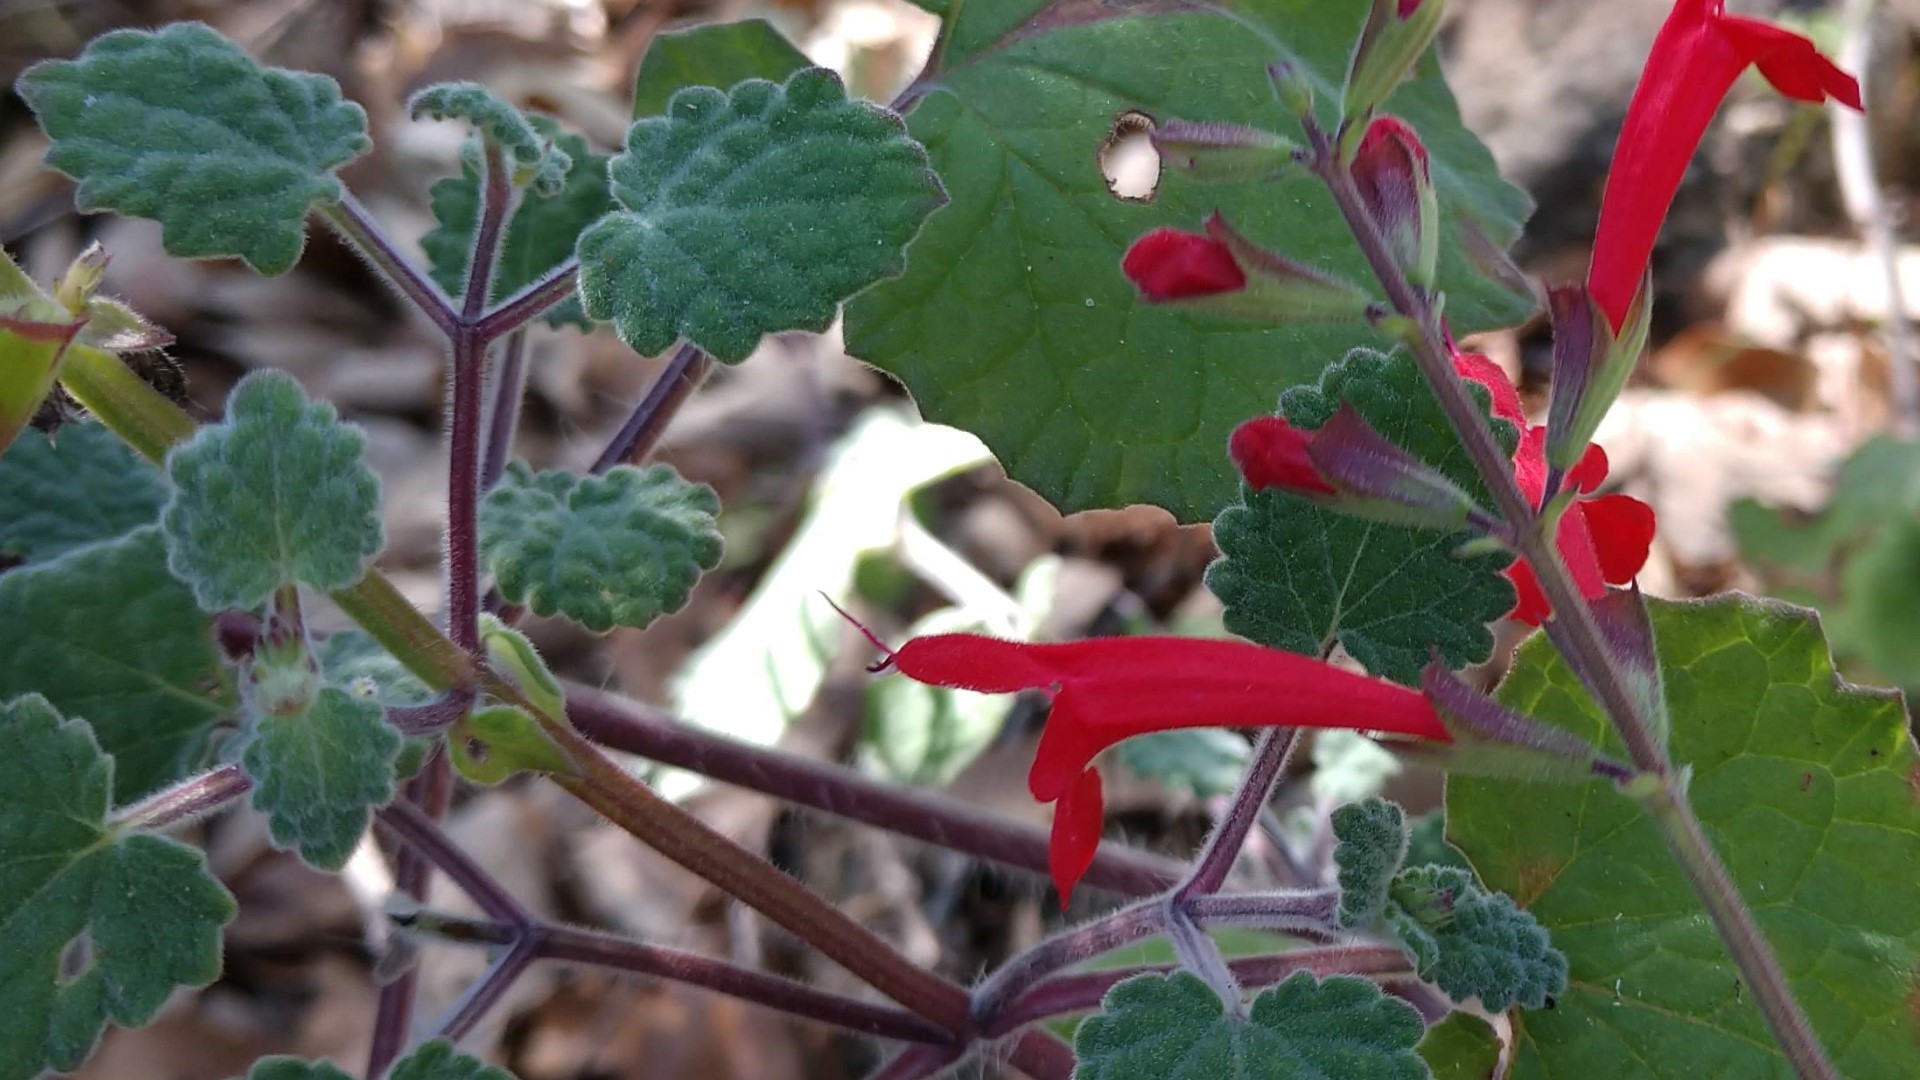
(318,774)
(535,160)
(753,211)
(278,493)
(1372,839)
(64,493)
(181,127)
(1472,943)
(618,549)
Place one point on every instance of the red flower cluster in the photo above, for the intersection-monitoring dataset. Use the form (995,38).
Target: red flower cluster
(1108,690)
(1603,540)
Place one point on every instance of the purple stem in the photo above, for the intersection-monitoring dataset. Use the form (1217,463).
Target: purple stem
(486,992)
(1082,943)
(186,800)
(1041,1055)
(1079,992)
(1256,787)
(676,383)
(1308,913)
(436,716)
(637,729)
(509,388)
(410,825)
(530,302)
(350,219)
(429,791)
(772,991)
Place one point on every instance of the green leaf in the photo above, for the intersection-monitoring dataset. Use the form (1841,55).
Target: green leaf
(531,154)
(1301,577)
(719,54)
(353,660)
(106,633)
(1462,1047)
(1203,761)
(1157,1027)
(620,549)
(1427,843)
(1013,320)
(277,493)
(750,212)
(319,774)
(540,236)
(181,127)
(1472,943)
(436,1060)
(66,492)
(1373,842)
(1804,785)
(100,925)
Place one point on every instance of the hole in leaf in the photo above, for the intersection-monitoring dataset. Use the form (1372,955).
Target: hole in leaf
(1128,160)
(77,958)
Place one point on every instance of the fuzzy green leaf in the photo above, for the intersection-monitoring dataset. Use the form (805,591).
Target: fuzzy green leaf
(1373,842)
(278,493)
(318,775)
(106,633)
(1013,319)
(436,1060)
(353,660)
(720,55)
(100,924)
(1472,943)
(1204,761)
(181,127)
(754,211)
(541,234)
(1301,577)
(620,549)
(1157,1027)
(532,155)
(1462,1047)
(1804,784)
(67,492)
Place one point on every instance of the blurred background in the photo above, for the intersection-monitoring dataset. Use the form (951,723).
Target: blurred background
(1763,428)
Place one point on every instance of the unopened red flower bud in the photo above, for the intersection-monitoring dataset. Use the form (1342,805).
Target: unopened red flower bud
(1167,264)
(1396,183)
(1271,453)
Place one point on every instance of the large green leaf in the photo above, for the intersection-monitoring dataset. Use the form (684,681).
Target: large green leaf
(1013,320)
(1298,576)
(1806,788)
(750,212)
(1462,1047)
(181,127)
(279,492)
(719,55)
(1172,1027)
(100,924)
(106,633)
(64,493)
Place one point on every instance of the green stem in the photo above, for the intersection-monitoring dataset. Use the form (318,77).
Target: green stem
(136,412)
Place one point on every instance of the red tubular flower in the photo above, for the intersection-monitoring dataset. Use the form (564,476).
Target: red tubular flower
(1272,453)
(1604,541)
(1167,264)
(1108,690)
(1698,54)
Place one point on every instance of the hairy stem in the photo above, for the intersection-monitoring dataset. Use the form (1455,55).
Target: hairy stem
(1581,638)
(1040,1054)
(429,792)
(1082,943)
(532,301)
(486,991)
(509,390)
(635,728)
(357,226)
(411,826)
(676,383)
(185,801)
(142,417)
(1249,799)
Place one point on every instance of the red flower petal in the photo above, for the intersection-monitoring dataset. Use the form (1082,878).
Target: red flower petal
(1480,369)
(1078,819)
(1530,604)
(1622,529)
(1591,470)
(1696,57)
(1167,264)
(1272,453)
